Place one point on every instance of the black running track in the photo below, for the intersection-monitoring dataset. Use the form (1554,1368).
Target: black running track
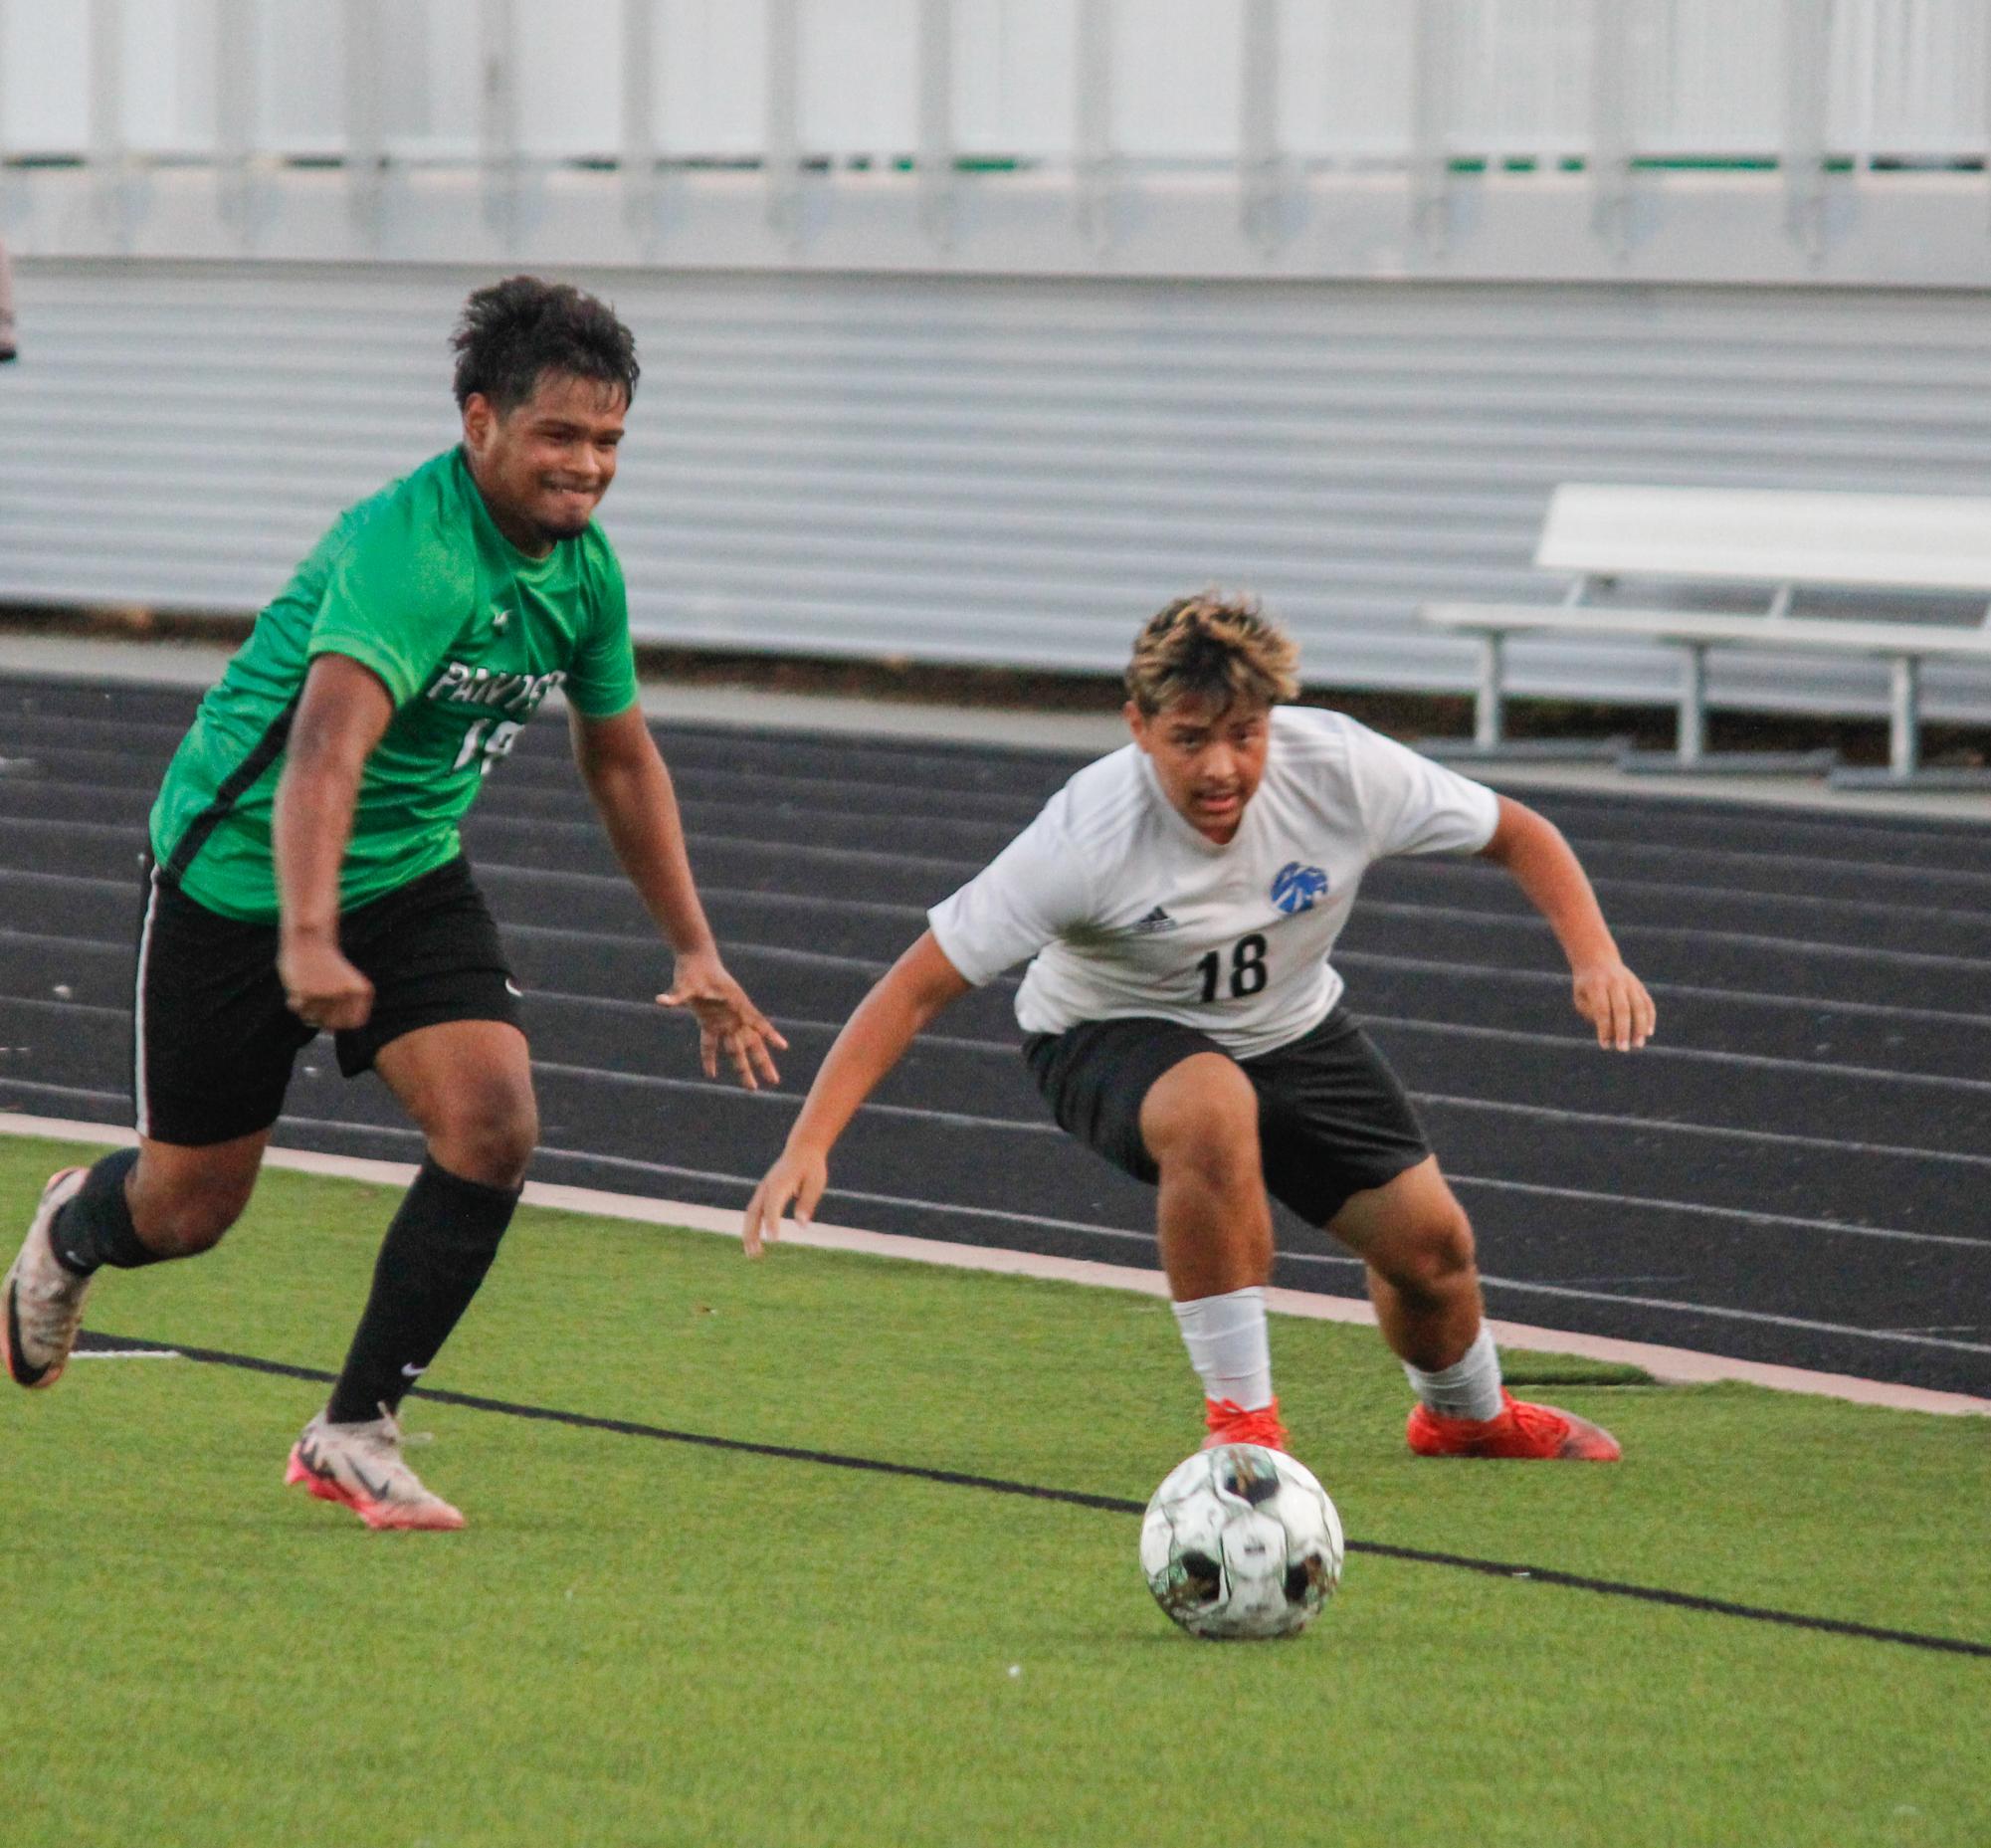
(1798,1171)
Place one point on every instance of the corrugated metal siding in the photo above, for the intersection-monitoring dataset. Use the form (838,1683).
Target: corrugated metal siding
(995,470)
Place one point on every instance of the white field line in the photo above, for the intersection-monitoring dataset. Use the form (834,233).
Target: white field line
(1674,1364)
(126,1354)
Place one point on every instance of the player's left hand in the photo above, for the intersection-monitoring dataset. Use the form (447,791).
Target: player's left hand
(1616,1003)
(727,1018)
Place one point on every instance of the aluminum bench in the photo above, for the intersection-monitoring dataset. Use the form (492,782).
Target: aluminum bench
(1781,543)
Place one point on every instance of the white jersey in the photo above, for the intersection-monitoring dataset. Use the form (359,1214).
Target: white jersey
(1128,909)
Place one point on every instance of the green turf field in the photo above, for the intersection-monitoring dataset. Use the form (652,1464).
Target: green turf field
(646,1642)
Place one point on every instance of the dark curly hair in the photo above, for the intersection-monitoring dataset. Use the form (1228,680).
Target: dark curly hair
(513,331)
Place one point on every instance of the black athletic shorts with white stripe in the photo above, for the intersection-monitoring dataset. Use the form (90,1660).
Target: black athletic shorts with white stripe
(1333,1118)
(214,1039)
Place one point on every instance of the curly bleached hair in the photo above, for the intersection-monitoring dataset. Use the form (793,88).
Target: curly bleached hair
(1214,648)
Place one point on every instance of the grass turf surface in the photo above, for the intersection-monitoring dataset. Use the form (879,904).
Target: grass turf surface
(643,1642)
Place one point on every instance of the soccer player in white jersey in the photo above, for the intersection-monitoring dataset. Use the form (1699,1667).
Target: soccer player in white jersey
(1179,899)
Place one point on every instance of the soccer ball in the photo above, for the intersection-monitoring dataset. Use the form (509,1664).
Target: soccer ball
(1241,1542)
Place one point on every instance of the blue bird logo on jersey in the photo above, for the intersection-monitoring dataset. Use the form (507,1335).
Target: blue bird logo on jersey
(1295,887)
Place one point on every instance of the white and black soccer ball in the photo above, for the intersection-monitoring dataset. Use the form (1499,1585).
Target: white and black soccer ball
(1241,1542)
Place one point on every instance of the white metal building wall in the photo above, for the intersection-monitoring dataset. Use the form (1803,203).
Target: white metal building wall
(996,470)
(1510,77)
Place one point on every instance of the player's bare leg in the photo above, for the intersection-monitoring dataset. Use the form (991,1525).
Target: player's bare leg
(468,1084)
(183,1200)
(1424,1280)
(1417,1243)
(133,1207)
(1200,1121)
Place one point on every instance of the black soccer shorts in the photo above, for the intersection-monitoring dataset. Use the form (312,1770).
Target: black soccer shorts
(214,1041)
(1333,1118)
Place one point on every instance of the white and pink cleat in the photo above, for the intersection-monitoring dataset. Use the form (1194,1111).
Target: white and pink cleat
(361,1467)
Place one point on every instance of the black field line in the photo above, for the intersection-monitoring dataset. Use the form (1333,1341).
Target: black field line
(1081,1498)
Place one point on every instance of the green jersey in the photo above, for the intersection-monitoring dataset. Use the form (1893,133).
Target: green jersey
(467,633)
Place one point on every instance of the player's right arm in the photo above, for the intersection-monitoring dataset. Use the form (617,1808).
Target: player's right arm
(875,1038)
(341,716)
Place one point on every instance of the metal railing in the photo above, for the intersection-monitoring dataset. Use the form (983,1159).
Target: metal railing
(950,89)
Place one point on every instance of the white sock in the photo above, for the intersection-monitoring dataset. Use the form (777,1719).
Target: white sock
(1225,1339)
(1469,1388)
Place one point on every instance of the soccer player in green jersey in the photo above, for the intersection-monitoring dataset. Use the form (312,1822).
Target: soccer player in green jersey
(308,875)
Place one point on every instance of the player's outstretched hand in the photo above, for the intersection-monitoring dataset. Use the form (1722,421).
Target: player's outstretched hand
(320,987)
(1616,1003)
(799,1176)
(727,1018)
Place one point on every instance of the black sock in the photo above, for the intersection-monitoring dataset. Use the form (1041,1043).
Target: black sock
(435,1255)
(95,1227)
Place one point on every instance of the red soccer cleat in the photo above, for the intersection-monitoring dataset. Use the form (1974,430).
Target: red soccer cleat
(1521,1430)
(1230,1423)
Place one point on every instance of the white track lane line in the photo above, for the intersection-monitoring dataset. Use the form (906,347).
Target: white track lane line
(1667,1363)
